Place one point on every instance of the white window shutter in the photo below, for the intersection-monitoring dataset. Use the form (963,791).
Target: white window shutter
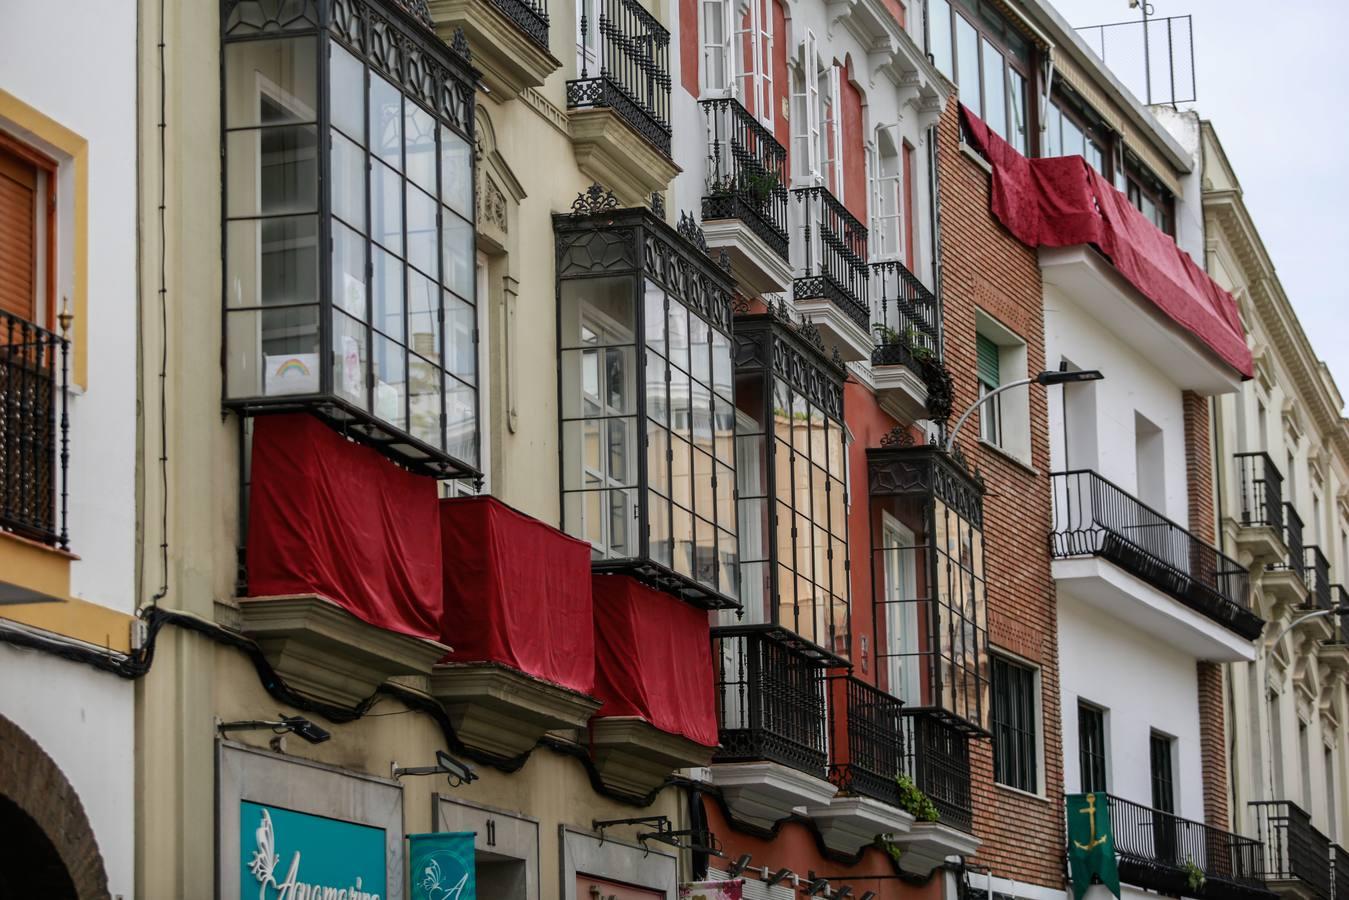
(810,69)
(717,36)
(835,126)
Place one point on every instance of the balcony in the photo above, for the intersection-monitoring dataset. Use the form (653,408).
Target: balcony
(745,196)
(508,40)
(34,432)
(771,713)
(1335,648)
(1155,847)
(904,317)
(1260,511)
(831,283)
(619,107)
(1316,575)
(1285,580)
(1116,553)
(1297,858)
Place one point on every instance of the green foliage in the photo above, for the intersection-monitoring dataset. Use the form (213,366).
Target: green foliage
(914,802)
(1194,876)
(760,185)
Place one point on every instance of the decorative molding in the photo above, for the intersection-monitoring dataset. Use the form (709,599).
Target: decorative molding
(510,60)
(633,757)
(504,712)
(608,148)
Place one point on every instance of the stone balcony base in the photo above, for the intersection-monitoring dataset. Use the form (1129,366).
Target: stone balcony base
(634,757)
(504,712)
(1261,542)
(509,60)
(609,151)
(848,824)
(926,845)
(763,793)
(753,262)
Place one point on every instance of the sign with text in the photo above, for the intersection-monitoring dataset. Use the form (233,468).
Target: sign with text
(588,887)
(443,866)
(734,889)
(288,855)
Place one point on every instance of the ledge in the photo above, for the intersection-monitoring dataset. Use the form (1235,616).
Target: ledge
(611,153)
(928,844)
(900,392)
(31,572)
(838,329)
(1284,586)
(763,793)
(1261,542)
(753,262)
(635,757)
(848,824)
(510,61)
(502,711)
(325,652)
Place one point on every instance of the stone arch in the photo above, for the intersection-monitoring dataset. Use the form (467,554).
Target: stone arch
(55,854)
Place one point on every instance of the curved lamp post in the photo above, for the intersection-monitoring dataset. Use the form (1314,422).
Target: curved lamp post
(1046,378)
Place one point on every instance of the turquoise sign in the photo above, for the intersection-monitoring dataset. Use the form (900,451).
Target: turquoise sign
(442,866)
(287,855)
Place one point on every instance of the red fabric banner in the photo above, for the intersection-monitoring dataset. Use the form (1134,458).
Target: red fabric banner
(517,592)
(1062,201)
(653,658)
(331,517)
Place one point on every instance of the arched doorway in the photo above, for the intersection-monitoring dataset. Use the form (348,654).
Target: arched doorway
(49,849)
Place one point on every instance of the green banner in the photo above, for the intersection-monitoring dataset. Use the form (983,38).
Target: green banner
(442,866)
(1091,843)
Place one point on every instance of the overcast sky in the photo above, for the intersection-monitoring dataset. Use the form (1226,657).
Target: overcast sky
(1273,77)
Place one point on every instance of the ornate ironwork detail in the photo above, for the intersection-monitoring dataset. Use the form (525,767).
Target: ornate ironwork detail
(598,250)
(700,286)
(459,43)
(418,10)
(810,334)
(266,16)
(593,201)
(531,18)
(747,173)
(927,470)
(724,261)
(740,305)
(899,436)
(33,437)
(691,231)
(658,204)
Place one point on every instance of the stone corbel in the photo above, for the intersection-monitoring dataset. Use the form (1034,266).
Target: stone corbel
(929,111)
(836,11)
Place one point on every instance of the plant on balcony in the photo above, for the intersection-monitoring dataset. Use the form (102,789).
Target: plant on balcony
(1194,876)
(761,185)
(914,802)
(936,377)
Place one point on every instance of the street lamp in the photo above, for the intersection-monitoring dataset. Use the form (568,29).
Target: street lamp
(1047,378)
(1341,610)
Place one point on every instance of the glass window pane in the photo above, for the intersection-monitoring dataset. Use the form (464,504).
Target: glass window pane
(350,342)
(386,208)
(657,458)
(700,347)
(725,492)
(1054,132)
(349,271)
(597,311)
(654,315)
(681,463)
(456,172)
(461,421)
(424,390)
(939,31)
(967,64)
(658,527)
(419,143)
(995,92)
(457,238)
(677,335)
(271,82)
(723,426)
(754,529)
(272,171)
(704,499)
(460,347)
(751,469)
(729,559)
(423,318)
(1016,111)
(387,313)
(348,162)
(1074,142)
(749,400)
(680,412)
(705,559)
(421,233)
(683,541)
(386,121)
(390,382)
(271,261)
(346,93)
(657,404)
(272,352)
(701,411)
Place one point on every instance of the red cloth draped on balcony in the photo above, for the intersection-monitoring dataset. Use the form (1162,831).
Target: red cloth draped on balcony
(517,592)
(1062,201)
(331,517)
(653,659)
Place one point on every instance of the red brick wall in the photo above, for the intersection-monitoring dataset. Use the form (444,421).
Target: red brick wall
(986,268)
(1212,713)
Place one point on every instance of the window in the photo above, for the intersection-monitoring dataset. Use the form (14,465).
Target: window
(1071,130)
(974,45)
(1146,192)
(831,115)
(353,295)
(28,226)
(1016,761)
(1333,798)
(1149,463)
(754,41)
(888,196)
(990,376)
(1161,749)
(1091,747)
(717,47)
(806,108)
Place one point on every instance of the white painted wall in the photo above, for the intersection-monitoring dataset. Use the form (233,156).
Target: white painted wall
(1132,385)
(75,62)
(1143,686)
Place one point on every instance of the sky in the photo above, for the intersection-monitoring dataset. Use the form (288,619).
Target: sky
(1272,77)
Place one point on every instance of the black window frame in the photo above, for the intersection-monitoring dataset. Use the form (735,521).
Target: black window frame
(1071,106)
(1092,749)
(991,26)
(1015,724)
(1141,183)
(1161,759)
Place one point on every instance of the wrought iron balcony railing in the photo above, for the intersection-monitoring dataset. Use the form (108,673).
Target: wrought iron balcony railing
(937,758)
(626,67)
(530,16)
(1095,517)
(832,254)
(746,173)
(1316,573)
(34,431)
(1261,485)
(770,700)
(1156,848)
(904,316)
(1292,538)
(1293,849)
(867,746)
(1339,598)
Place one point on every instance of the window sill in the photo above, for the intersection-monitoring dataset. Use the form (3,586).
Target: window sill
(1018,792)
(1010,457)
(976,158)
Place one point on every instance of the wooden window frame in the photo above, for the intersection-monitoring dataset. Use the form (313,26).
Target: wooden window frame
(44,307)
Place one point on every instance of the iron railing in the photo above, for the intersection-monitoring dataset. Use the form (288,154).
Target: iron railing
(1316,574)
(746,173)
(1292,539)
(1293,849)
(770,701)
(530,16)
(904,317)
(1339,872)
(1339,634)
(937,758)
(1261,485)
(833,254)
(867,749)
(34,431)
(1095,517)
(1155,849)
(1154,56)
(631,71)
